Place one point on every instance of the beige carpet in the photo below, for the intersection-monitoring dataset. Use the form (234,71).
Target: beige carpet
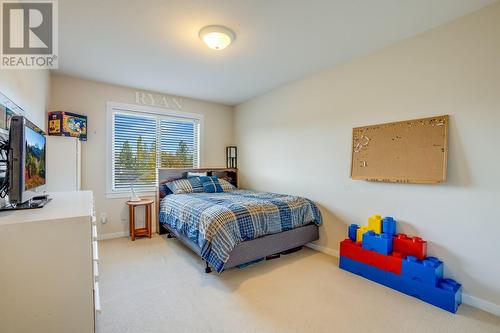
(158,285)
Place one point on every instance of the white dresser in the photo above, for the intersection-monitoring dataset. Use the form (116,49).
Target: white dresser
(49,267)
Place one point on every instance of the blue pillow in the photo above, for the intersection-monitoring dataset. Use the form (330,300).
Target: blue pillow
(195,183)
(185,185)
(164,190)
(211,184)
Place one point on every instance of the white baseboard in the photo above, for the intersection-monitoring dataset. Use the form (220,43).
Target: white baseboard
(112,235)
(466,299)
(323,249)
(481,304)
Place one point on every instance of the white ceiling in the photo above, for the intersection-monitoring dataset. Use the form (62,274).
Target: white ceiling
(154,45)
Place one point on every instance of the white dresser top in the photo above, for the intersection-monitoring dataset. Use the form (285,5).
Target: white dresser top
(63,205)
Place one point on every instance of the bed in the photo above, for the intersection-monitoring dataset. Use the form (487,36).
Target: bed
(237,227)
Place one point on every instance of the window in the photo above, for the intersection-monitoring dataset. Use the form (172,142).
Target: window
(145,138)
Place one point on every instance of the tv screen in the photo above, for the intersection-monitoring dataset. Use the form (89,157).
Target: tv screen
(26,160)
(34,163)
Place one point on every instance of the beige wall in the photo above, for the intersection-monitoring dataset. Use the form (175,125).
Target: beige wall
(30,90)
(89,98)
(297,139)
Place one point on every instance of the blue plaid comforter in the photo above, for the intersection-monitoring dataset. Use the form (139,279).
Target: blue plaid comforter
(217,222)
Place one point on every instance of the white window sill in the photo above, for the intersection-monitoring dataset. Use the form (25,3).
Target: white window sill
(126,194)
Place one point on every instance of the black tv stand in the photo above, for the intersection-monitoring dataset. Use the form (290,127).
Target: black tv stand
(41,197)
(35,202)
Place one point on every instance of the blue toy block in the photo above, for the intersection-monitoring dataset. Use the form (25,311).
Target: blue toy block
(429,270)
(353,228)
(389,225)
(446,295)
(379,243)
(446,288)
(367,271)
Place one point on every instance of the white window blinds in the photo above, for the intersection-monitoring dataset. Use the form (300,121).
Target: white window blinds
(143,142)
(178,144)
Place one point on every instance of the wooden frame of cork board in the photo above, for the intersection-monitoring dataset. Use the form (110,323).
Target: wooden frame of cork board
(412,151)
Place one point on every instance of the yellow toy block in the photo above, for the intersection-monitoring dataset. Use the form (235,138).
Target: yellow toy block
(375,223)
(360,232)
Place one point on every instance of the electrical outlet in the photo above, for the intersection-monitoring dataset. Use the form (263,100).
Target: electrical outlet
(104,218)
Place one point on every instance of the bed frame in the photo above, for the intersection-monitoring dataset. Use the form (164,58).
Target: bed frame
(270,246)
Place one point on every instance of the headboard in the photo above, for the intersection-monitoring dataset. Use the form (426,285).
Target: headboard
(166,175)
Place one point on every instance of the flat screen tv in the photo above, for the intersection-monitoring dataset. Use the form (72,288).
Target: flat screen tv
(26,160)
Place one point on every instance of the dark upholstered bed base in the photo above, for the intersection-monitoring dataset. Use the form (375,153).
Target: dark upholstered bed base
(260,247)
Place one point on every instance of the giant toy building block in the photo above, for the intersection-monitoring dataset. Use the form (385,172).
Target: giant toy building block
(360,232)
(389,225)
(354,251)
(398,262)
(447,294)
(410,246)
(379,243)
(375,223)
(429,270)
(353,229)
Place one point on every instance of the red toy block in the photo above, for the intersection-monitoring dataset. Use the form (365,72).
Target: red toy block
(352,250)
(410,246)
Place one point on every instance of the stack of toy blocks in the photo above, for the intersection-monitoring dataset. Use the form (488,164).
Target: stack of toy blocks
(397,261)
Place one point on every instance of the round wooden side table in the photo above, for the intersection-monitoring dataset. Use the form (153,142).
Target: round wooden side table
(140,232)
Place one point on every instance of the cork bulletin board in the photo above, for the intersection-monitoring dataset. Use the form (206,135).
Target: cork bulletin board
(412,151)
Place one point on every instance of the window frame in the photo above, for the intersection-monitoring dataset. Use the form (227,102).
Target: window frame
(137,110)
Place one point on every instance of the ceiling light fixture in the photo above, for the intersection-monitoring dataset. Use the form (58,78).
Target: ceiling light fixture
(217,37)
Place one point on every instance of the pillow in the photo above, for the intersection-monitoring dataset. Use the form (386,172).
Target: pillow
(197,174)
(226,186)
(164,190)
(188,185)
(211,184)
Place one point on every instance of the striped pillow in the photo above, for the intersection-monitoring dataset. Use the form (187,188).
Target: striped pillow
(226,186)
(186,185)
(211,184)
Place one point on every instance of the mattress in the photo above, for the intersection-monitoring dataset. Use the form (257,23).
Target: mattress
(217,222)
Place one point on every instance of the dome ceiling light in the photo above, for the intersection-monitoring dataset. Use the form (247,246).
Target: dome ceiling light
(217,37)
